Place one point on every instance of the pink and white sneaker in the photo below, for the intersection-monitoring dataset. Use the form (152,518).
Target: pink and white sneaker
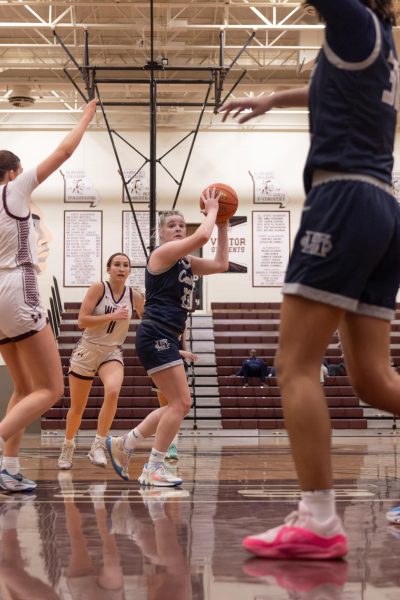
(301,536)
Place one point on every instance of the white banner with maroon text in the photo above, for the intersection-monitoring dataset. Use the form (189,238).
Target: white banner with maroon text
(238,244)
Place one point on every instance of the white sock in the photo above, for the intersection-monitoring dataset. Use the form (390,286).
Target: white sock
(320,503)
(133,438)
(69,442)
(156,459)
(11,464)
(101,439)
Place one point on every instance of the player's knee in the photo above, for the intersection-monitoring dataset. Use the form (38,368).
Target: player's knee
(21,391)
(111,395)
(53,394)
(187,406)
(184,407)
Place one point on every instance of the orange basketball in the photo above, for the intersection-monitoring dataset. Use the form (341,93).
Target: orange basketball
(228,201)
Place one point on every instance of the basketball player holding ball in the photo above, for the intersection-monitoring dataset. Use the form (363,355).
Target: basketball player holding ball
(169,288)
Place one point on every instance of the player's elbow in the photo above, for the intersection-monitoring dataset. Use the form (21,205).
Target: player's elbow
(222,266)
(64,152)
(81,324)
(203,238)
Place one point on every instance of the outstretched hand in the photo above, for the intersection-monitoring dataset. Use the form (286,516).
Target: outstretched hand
(257,106)
(90,109)
(210,200)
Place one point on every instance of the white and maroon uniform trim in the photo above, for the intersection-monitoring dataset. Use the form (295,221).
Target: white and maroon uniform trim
(21,313)
(17,233)
(103,343)
(112,333)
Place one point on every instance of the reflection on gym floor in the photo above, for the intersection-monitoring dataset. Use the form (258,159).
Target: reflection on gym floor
(86,535)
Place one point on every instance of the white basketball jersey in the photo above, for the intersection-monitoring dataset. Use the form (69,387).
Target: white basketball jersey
(17,233)
(112,333)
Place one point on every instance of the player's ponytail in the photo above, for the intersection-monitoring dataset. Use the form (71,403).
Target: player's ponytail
(383,9)
(8,162)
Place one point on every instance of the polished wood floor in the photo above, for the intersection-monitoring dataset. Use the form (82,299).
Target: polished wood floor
(86,535)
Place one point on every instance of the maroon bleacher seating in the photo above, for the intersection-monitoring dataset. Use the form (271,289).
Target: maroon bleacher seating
(237,327)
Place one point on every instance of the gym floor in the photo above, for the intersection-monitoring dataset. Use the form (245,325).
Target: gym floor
(85,534)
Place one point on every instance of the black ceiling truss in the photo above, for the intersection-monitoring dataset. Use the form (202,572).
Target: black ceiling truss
(212,77)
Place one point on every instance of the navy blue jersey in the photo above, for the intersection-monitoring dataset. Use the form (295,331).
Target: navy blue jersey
(353,94)
(169,295)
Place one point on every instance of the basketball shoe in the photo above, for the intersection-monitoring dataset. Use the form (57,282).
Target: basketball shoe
(158,476)
(97,454)
(120,456)
(306,579)
(171,467)
(301,536)
(16,483)
(65,458)
(172,453)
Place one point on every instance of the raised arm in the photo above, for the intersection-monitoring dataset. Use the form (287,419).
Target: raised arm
(90,301)
(262,104)
(68,145)
(219,264)
(168,253)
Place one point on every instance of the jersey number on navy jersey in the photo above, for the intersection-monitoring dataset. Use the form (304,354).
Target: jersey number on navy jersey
(391,96)
(187,298)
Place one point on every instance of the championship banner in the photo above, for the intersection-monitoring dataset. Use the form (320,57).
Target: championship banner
(271,247)
(138,186)
(79,188)
(267,189)
(83,232)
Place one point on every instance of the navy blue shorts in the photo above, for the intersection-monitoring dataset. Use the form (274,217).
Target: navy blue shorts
(157,347)
(347,250)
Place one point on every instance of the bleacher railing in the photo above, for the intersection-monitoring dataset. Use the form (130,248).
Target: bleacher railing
(54,313)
